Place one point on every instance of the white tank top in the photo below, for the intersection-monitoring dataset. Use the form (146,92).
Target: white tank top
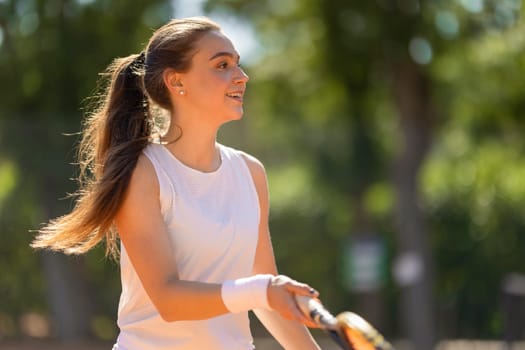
(212,220)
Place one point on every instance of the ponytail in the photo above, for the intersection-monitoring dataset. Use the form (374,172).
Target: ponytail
(114,135)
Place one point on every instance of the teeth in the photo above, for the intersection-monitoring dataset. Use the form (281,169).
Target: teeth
(234,94)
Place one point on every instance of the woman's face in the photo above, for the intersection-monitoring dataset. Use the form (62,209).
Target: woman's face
(214,86)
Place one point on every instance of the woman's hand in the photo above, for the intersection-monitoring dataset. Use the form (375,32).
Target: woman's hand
(281,298)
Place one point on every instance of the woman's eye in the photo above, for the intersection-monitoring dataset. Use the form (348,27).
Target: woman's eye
(223,65)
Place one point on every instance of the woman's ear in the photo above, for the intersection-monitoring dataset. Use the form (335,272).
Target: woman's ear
(172,80)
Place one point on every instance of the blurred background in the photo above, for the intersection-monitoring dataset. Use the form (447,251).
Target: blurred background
(391,131)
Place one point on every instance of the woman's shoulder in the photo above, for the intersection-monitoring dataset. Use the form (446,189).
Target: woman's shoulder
(250,160)
(144,173)
(144,168)
(255,166)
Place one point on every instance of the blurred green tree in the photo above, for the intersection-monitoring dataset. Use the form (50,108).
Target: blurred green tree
(353,96)
(474,183)
(401,118)
(51,53)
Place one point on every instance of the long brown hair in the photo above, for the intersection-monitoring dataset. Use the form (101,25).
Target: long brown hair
(115,133)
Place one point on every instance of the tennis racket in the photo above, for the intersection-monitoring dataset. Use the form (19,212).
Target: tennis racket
(347,329)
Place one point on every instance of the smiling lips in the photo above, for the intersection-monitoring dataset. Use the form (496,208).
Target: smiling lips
(236,95)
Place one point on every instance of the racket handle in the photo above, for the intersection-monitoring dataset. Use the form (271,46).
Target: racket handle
(313,308)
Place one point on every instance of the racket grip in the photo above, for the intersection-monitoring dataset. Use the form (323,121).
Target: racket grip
(313,308)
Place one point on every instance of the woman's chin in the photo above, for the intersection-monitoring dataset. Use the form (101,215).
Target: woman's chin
(234,116)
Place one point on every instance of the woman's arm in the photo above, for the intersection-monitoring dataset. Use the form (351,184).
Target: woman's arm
(143,232)
(285,326)
(144,235)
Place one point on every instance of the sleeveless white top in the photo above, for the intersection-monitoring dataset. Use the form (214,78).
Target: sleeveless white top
(212,220)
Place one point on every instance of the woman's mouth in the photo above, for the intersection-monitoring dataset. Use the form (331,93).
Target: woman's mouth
(236,95)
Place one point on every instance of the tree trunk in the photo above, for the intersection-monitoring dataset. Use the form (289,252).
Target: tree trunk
(68,296)
(68,291)
(413,269)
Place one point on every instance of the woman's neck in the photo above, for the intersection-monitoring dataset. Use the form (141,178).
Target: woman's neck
(195,147)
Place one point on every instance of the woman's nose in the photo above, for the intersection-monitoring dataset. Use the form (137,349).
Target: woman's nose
(241,76)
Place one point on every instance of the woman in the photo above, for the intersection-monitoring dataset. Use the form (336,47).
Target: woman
(191,214)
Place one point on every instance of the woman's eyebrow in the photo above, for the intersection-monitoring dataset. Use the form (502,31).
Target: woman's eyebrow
(225,53)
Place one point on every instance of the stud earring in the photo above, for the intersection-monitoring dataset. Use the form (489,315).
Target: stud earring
(182,92)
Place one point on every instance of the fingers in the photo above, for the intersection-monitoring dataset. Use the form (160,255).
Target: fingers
(293,286)
(302,289)
(281,298)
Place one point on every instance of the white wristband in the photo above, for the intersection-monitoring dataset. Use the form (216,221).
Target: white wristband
(247,293)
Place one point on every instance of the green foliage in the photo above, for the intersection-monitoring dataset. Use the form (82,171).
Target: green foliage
(8,175)
(321,115)
(51,53)
(474,181)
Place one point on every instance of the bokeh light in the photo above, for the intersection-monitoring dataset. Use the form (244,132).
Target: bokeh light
(447,24)
(420,50)
(474,6)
